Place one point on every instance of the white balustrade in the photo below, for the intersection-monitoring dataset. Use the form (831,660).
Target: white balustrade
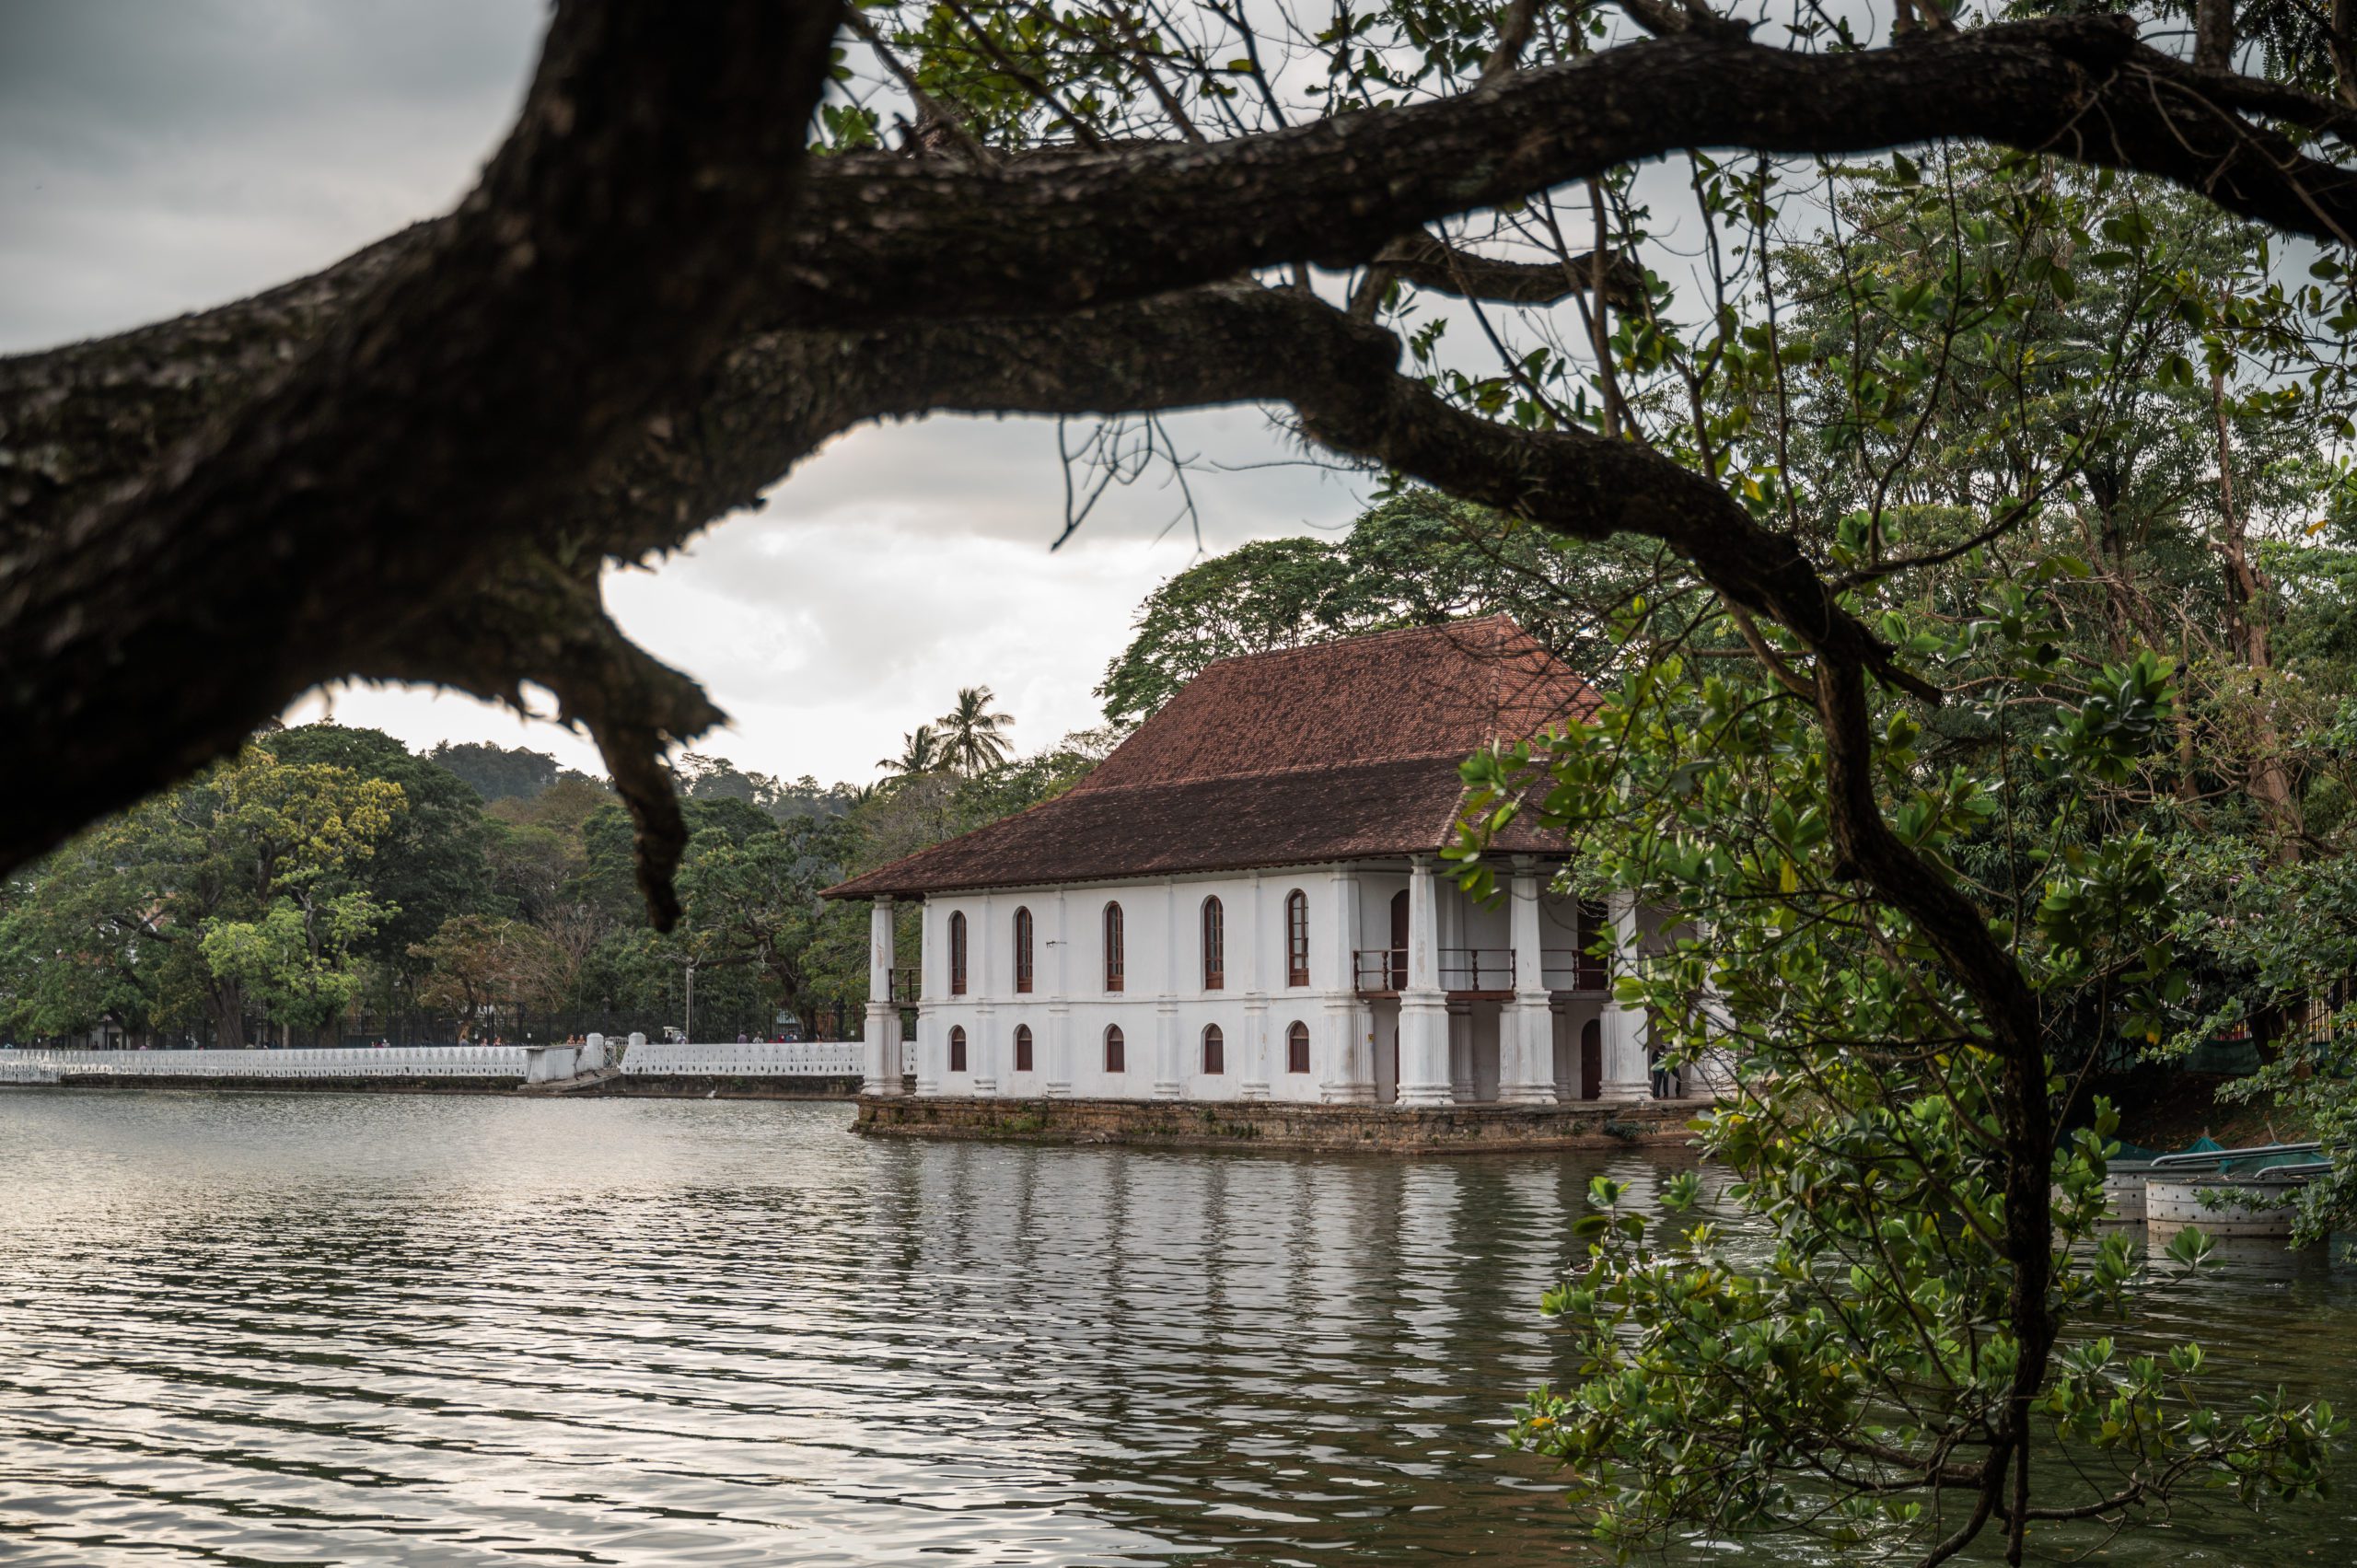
(767,1059)
(761,1059)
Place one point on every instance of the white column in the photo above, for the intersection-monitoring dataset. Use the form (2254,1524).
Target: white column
(1627,1073)
(1461,1078)
(1713,1073)
(1059,1007)
(931,1053)
(1346,1052)
(882,1033)
(981,1031)
(1170,1074)
(1526,1027)
(1254,1047)
(1423,1007)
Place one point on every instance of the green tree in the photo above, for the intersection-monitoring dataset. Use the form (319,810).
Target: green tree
(432,864)
(754,903)
(1414,559)
(921,753)
(480,968)
(973,736)
(295,961)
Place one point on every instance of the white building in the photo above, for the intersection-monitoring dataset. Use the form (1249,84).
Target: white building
(1244,901)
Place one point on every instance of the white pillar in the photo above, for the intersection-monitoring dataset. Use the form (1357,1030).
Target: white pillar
(1169,1076)
(931,1054)
(1347,1053)
(1461,1077)
(1628,1074)
(1424,1006)
(881,1035)
(1059,1007)
(1254,1047)
(1526,1027)
(982,1031)
(1712,1073)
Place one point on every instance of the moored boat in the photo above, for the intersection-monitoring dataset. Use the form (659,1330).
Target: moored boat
(2236,1192)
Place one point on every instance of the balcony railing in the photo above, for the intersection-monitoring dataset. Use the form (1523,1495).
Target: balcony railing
(1380,970)
(1571,969)
(908,985)
(1383,970)
(1477,969)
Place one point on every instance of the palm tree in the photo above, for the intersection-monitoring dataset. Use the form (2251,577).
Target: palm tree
(921,752)
(973,737)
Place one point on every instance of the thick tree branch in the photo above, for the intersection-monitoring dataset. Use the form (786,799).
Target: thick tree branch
(605,260)
(1445,269)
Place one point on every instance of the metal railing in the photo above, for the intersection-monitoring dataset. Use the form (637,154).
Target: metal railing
(908,985)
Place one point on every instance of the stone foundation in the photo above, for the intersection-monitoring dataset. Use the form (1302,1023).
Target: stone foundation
(1278,1124)
(713,1085)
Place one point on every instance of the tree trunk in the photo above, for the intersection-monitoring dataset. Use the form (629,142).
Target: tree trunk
(2247,589)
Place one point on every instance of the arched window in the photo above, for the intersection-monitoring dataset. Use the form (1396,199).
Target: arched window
(958,953)
(1022,949)
(1297,938)
(1023,1048)
(1589,971)
(1214,944)
(1215,1049)
(1298,1048)
(1113,1047)
(1113,969)
(957,1049)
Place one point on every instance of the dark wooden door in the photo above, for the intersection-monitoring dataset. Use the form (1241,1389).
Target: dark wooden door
(1398,965)
(1592,1059)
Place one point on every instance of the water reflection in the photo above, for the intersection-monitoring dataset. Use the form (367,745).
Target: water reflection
(450,1330)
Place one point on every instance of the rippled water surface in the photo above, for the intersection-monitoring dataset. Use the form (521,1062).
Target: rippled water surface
(253,1329)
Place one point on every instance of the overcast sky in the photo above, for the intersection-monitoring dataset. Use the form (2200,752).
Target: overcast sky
(163,155)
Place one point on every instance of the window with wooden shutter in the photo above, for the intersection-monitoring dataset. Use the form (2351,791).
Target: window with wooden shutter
(1297,938)
(1214,946)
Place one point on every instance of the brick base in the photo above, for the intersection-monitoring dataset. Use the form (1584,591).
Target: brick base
(1276,1124)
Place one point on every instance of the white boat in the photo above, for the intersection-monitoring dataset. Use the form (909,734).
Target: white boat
(2123,1190)
(2227,1202)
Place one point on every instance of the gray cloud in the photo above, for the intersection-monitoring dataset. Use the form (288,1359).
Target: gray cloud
(159,158)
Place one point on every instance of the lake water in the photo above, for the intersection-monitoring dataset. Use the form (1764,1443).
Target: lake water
(262,1329)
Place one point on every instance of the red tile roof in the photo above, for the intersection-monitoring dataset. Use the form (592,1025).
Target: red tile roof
(1333,751)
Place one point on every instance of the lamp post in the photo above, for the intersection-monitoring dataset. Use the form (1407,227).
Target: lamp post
(690,1029)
